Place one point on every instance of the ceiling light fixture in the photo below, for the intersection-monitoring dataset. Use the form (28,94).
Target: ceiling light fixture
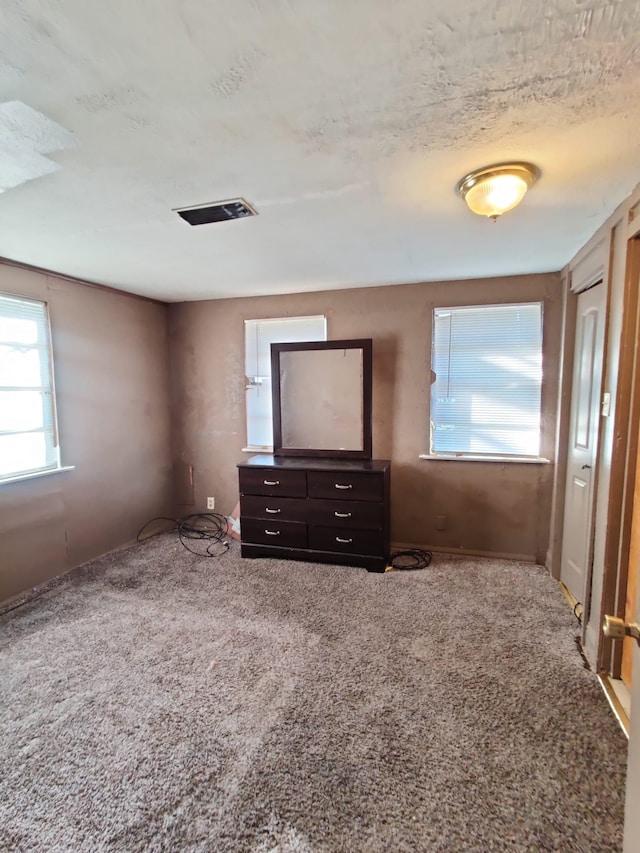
(493,190)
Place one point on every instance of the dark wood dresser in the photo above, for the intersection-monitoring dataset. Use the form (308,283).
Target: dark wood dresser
(320,510)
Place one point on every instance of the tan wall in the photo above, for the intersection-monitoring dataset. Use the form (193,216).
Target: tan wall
(493,508)
(111,375)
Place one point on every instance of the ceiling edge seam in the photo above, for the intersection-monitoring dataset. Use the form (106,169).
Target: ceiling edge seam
(70,278)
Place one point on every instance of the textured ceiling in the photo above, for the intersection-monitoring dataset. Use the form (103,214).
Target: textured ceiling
(346,123)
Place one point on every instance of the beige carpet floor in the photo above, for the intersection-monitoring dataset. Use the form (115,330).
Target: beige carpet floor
(155,701)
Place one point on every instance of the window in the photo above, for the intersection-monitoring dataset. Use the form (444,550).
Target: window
(28,439)
(485,400)
(258,337)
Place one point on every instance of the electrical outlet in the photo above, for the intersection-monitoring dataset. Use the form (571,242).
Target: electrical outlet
(441,522)
(211,503)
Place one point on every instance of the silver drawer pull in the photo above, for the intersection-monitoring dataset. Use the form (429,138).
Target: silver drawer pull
(344,541)
(342,514)
(271,482)
(340,486)
(272,532)
(273,511)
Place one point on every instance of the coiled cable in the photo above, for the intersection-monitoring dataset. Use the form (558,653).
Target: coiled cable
(411,559)
(204,527)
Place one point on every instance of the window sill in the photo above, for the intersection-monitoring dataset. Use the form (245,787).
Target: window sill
(519,460)
(35,474)
(257,449)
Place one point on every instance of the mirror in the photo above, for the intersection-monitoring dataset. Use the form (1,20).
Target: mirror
(322,398)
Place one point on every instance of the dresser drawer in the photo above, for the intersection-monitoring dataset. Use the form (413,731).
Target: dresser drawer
(327,513)
(344,485)
(288,534)
(270,481)
(345,541)
(273,508)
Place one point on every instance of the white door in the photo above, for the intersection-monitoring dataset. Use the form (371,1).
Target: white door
(583,442)
(632,813)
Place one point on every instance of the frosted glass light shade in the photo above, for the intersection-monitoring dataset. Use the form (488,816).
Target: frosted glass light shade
(494,190)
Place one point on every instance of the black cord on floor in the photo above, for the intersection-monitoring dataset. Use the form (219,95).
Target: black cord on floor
(411,559)
(204,527)
(174,523)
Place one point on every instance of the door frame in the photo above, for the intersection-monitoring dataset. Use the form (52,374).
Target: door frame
(591,267)
(632,816)
(623,461)
(611,247)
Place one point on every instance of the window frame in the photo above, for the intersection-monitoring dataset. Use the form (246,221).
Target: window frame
(49,428)
(473,456)
(268,448)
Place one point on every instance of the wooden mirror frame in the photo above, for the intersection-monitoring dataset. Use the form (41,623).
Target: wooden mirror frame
(363,344)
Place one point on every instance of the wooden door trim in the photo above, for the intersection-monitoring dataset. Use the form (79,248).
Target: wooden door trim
(563,423)
(623,462)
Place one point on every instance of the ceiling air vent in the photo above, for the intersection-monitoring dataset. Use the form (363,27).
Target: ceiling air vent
(219,211)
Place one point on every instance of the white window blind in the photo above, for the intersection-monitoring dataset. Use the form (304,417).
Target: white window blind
(485,400)
(258,336)
(28,440)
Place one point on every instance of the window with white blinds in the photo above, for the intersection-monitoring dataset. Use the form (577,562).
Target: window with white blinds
(28,439)
(258,337)
(485,400)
